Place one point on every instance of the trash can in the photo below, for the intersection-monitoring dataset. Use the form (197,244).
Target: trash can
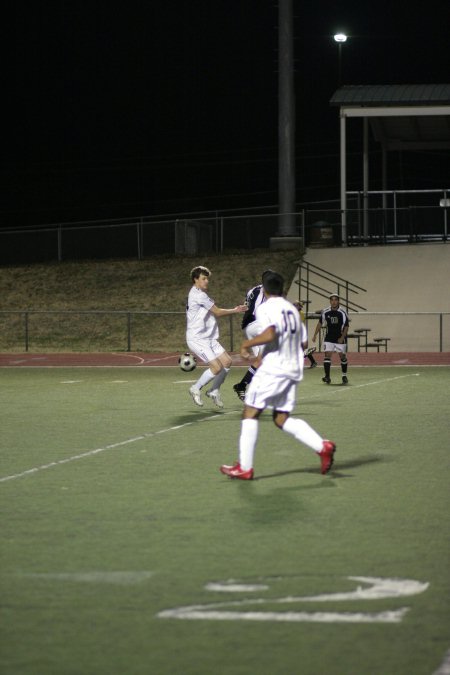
(321,235)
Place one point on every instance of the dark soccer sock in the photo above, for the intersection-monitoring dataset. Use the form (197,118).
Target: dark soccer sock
(311,358)
(248,376)
(344,363)
(327,367)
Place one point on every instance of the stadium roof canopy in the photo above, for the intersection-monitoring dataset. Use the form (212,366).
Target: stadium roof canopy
(401,116)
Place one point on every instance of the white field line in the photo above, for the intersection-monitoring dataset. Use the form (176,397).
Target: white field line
(128,441)
(125,578)
(141,361)
(444,668)
(112,446)
(392,616)
(367,384)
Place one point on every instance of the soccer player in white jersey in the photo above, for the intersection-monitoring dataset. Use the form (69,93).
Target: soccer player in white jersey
(202,336)
(274,384)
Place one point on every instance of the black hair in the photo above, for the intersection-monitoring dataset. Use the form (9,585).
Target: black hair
(273,283)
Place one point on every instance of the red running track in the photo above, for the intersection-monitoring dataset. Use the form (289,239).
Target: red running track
(127,359)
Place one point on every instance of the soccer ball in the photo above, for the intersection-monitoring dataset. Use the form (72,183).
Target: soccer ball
(187,362)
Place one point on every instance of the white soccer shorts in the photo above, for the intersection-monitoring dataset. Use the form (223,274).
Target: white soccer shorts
(267,390)
(334,347)
(206,350)
(252,330)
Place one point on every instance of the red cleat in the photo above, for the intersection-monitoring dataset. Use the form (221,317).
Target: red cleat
(235,471)
(327,456)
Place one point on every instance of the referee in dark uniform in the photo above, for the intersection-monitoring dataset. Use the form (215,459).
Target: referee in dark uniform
(336,322)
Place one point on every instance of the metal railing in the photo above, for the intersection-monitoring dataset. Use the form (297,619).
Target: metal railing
(380,217)
(123,330)
(309,275)
(396,215)
(108,329)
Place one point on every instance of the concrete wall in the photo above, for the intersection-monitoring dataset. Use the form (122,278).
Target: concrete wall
(402,278)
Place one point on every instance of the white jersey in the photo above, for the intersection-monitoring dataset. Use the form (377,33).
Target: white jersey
(201,323)
(284,355)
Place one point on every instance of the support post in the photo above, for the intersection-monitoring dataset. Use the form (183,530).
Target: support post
(286,121)
(26,330)
(128,331)
(343,181)
(366,178)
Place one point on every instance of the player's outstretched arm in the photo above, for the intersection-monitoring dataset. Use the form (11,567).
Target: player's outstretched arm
(219,311)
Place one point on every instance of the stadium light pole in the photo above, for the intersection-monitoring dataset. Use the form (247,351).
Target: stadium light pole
(286,120)
(340,38)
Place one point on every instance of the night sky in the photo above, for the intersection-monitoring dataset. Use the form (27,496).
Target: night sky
(140,108)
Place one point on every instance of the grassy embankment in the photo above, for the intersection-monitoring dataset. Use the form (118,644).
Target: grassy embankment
(158,284)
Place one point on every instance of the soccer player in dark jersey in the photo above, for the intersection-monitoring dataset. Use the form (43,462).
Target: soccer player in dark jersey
(336,322)
(254,297)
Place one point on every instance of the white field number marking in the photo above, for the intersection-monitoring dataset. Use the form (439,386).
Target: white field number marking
(376,589)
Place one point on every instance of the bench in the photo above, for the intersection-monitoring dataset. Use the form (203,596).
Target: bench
(355,336)
(360,334)
(379,342)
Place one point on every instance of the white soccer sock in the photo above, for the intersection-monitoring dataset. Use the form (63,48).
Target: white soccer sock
(219,378)
(247,443)
(303,433)
(206,377)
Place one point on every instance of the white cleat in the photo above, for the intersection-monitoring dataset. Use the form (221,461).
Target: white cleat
(215,398)
(195,393)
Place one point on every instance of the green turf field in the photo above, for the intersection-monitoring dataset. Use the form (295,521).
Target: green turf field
(125,551)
